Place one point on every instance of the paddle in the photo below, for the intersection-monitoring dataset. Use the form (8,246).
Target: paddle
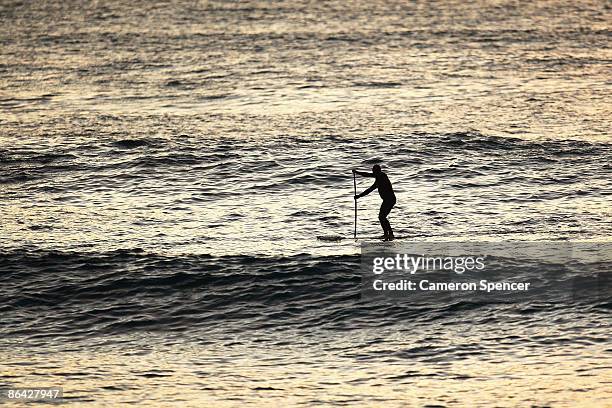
(354,199)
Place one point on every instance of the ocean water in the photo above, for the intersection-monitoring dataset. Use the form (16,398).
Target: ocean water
(165,168)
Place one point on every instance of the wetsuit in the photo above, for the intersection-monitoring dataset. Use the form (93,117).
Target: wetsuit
(385,190)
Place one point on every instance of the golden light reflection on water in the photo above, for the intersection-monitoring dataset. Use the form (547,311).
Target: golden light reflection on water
(453,102)
(79,79)
(287,222)
(270,376)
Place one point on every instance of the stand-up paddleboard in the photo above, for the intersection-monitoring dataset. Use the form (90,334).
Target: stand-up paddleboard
(338,238)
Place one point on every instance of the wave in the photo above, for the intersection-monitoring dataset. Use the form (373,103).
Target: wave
(123,291)
(131,143)
(473,140)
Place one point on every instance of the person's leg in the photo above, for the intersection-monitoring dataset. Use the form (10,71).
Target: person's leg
(383,223)
(391,236)
(385,209)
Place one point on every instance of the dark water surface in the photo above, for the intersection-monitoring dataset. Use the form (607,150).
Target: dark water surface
(165,168)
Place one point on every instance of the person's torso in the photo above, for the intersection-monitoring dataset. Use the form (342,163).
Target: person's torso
(384,187)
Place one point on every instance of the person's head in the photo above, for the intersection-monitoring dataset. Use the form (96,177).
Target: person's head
(376,169)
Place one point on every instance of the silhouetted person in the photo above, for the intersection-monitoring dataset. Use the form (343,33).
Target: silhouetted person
(385,190)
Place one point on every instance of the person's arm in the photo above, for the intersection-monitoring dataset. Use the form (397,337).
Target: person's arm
(363,173)
(368,191)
